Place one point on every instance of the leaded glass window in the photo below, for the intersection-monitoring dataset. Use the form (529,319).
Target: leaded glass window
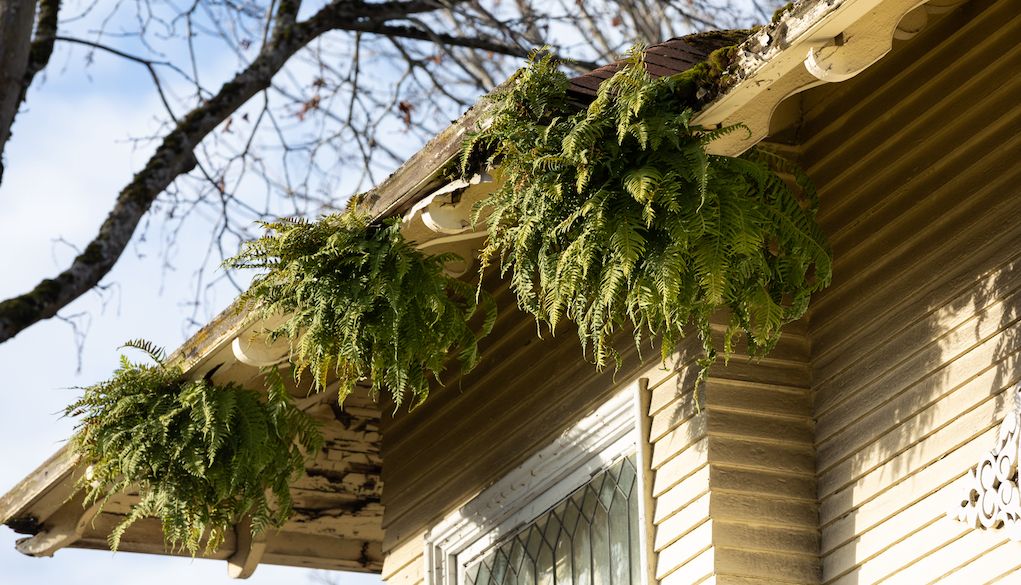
(589,538)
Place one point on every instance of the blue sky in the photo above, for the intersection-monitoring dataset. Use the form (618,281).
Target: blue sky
(68,158)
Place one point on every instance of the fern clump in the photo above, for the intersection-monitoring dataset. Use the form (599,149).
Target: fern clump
(201,455)
(616,217)
(363,303)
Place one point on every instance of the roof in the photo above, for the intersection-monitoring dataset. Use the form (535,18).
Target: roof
(423,172)
(337,521)
(662,59)
(338,524)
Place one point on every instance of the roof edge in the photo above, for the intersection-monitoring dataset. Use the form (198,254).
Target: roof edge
(814,42)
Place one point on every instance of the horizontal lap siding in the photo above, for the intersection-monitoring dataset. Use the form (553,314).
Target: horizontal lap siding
(734,470)
(683,538)
(762,458)
(405,564)
(524,393)
(916,341)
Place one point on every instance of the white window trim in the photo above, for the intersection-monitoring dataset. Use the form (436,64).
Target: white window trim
(536,485)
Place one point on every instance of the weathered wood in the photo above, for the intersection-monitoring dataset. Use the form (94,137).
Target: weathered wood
(316,550)
(43,491)
(61,529)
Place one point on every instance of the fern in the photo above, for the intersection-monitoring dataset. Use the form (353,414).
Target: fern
(363,304)
(617,218)
(614,217)
(201,455)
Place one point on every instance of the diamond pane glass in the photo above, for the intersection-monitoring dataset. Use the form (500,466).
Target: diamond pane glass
(589,538)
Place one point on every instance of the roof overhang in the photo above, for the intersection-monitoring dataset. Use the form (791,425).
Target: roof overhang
(814,42)
(338,514)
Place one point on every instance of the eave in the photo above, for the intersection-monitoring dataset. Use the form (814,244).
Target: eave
(815,42)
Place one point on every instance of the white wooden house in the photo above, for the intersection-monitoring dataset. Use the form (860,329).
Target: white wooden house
(877,443)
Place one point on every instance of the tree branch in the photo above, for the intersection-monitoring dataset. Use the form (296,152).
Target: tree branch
(175,157)
(414,33)
(42,43)
(16,19)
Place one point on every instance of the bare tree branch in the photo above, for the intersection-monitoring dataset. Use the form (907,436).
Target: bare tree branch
(22,55)
(175,156)
(348,108)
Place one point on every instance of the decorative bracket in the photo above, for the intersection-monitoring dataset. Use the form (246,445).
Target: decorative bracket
(826,42)
(249,551)
(448,210)
(254,346)
(865,42)
(62,529)
(441,222)
(991,498)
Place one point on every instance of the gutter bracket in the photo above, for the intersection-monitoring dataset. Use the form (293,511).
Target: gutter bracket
(442,221)
(830,43)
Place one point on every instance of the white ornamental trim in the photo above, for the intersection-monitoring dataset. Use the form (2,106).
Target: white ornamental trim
(991,498)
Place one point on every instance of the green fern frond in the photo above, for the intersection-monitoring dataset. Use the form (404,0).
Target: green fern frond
(617,218)
(363,302)
(201,455)
(155,352)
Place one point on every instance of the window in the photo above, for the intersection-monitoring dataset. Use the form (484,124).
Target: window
(589,538)
(570,515)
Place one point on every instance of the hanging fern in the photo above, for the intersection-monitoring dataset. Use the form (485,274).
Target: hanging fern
(615,217)
(201,455)
(363,303)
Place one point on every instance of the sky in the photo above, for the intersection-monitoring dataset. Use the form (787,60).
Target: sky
(68,158)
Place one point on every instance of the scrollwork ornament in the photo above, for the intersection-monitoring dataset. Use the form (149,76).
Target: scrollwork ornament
(991,498)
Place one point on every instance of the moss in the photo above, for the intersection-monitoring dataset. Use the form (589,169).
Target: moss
(705,80)
(22,311)
(46,291)
(93,254)
(781,12)
(713,40)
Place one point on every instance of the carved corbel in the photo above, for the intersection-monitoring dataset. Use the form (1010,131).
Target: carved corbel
(441,222)
(798,64)
(255,347)
(866,41)
(448,210)
(60,530)
(249,551)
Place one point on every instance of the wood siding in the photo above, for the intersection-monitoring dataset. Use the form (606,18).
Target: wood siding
(916,342)
(470,432)
(734,476)
(742,455)
(836,459)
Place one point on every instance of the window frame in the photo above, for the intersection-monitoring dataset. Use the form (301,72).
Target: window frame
(546,478)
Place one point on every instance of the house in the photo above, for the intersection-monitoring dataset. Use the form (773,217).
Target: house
(877,443)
